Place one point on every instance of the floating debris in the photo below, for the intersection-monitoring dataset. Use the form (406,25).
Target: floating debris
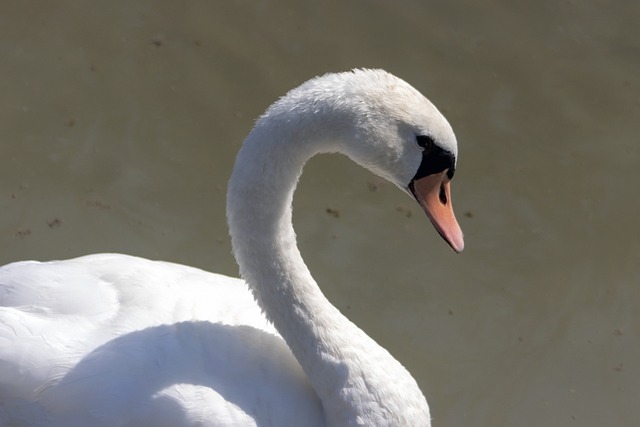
(23,232)
(333,212)
(406,211)
(55,222)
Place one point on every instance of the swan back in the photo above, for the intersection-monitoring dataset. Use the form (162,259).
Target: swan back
(113,340)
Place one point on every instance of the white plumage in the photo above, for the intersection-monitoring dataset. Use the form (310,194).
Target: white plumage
(115,340)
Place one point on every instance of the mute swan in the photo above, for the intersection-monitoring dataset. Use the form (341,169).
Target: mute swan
(115,340)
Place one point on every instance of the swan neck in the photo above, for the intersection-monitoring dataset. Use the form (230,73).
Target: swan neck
(354,378)
(259,209)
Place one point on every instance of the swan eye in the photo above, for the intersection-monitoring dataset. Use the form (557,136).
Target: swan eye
(424,142)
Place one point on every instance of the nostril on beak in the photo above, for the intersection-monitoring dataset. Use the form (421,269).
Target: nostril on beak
(443,195)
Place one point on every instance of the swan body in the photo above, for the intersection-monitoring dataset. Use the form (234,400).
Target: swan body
(115,340)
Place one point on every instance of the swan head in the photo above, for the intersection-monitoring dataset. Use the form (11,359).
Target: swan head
(398,134)
(380,122)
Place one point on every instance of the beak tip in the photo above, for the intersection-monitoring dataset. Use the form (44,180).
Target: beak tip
(457,244)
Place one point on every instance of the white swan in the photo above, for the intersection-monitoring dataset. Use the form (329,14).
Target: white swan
(114,340)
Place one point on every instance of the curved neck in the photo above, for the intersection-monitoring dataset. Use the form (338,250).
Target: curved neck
(259,211)
(339,359)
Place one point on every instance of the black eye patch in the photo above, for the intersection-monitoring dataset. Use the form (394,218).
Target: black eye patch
(434,159)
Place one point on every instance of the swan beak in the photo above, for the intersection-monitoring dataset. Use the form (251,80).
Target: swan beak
(434,195)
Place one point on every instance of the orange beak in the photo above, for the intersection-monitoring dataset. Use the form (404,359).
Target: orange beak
(434,195)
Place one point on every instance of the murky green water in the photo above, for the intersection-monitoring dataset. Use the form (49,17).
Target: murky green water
(119,122)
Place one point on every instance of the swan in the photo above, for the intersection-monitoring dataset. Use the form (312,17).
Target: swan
(116,340)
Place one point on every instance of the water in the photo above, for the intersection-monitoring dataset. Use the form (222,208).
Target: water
(120,123)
